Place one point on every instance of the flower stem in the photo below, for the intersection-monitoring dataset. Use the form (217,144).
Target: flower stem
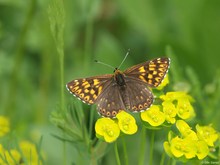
(151,147)
(142,146)
(117,154)
(125,151)
(162,158)
(173,162)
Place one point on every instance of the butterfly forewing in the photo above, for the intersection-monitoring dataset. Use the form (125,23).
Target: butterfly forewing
(151,72)
(88,89)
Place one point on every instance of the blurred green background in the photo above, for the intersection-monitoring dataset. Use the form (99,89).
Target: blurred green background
(102,30)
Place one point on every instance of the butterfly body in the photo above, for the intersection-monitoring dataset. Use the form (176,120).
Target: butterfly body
(119,77)
(128,90)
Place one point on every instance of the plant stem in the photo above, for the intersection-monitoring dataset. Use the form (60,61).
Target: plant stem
(125,151)
(173,162)
(117,154)
(142,146)
(162,158)
(56,13)
(151,147)
(91,122)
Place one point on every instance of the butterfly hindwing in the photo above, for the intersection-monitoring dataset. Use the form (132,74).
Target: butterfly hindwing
(88,89)
(151,72)
(137,97)
(110,102)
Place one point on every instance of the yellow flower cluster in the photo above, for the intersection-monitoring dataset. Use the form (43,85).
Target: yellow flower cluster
(4,126)
(190,144)
(27,153)
(109,129)
(175,104)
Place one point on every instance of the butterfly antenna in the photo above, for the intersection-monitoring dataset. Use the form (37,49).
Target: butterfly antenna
(124,58)
(99,62)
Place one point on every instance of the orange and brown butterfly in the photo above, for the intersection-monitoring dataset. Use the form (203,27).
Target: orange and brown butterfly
(123,90)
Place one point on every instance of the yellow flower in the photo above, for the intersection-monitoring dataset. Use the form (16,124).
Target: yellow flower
(167,149)
(176,147)
(11,157)
(190,144)
(153,116)
(183,147)
(207,133)
(126,123)
(202,149)
(185,130)
(171,96)
(107,129)
(181,101)
(4,126)
(164,83)
(170,111)
(30,153)
(185,109)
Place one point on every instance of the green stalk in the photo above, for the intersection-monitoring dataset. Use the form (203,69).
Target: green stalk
(125,151)
(91,122)
(151,148)
(162,158)
(173,162)
(117,154)
(56,14)
(142,146)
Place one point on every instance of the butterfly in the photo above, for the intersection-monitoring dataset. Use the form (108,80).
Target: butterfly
(123,90)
